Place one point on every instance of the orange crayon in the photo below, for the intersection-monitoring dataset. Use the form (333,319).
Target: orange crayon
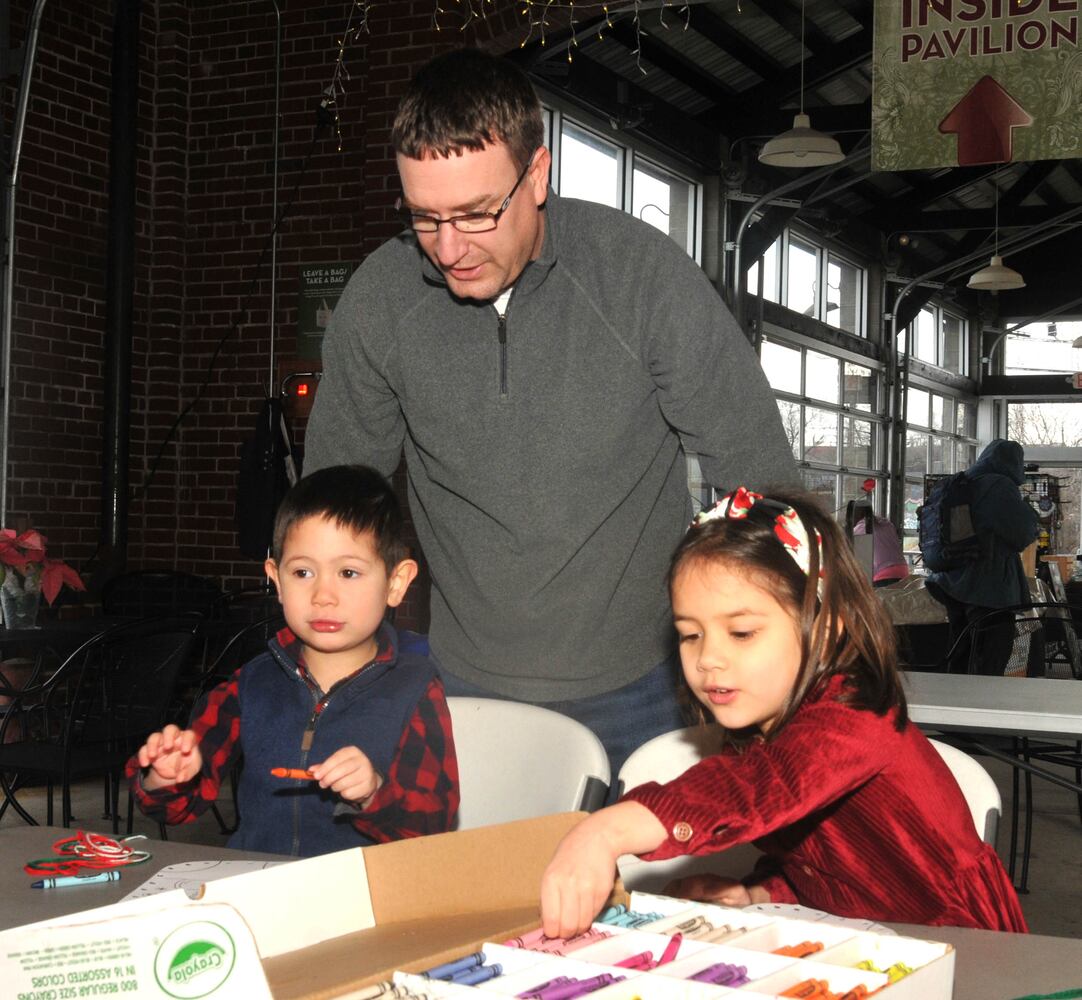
(290,772)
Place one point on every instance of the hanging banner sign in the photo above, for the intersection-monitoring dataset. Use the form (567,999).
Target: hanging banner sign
(320,286)
(968,82)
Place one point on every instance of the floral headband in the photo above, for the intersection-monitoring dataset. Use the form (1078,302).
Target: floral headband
(788,528)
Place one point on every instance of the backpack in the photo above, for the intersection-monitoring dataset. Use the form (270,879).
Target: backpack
(945,530)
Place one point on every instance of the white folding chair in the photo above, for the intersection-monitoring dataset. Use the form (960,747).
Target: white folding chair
(661,759)
(517,761)
(978,788)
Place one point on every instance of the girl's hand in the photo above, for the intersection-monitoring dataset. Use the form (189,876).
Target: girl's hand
(578,881)
(349,774)
(716,889)
(173,758)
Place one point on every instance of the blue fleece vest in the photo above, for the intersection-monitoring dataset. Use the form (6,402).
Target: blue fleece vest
(369,710)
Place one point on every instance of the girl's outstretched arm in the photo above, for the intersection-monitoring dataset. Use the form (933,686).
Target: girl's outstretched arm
(579,878)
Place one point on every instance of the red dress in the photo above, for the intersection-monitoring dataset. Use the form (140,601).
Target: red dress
(854,817)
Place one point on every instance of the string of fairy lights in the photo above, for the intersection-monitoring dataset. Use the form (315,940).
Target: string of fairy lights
(538,17)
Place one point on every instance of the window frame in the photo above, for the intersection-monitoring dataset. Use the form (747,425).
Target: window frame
(632,151)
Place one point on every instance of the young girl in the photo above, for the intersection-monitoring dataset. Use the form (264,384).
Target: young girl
(784,644)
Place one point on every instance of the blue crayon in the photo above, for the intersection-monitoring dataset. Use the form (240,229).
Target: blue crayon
(480,974)
(609,915)
(448,969)
(59,881)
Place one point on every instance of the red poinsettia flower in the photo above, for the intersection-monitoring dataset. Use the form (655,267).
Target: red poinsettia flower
(54,575)
(14,550)
(25,554)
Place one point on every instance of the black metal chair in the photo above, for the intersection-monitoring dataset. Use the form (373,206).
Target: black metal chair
(150,592)
(90,715)
(1042,637)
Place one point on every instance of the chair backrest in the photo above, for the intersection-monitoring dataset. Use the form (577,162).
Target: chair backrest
(240,644)
(517,761)
(1040,636)
(978,788)
(120,685)
(143,593)
(661,759)
(668,756)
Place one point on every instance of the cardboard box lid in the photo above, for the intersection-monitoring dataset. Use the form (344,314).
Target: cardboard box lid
(434,898)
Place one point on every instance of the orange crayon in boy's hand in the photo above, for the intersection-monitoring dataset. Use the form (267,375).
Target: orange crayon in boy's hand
(291,772)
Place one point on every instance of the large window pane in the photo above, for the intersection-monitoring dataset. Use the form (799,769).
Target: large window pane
(964,455)
(791,422)
(820,435)
(664,201)
(923,337)
(916,453)
(1042,348)
(843,295)
(800,287)
(940,455)
(966,419)
(782,367)
(770,273)
(852,489)
(1045,423)
(858,443)
(942,413)
(821,378)
(858,387)
(916,407)
(953,343)
(823,485)
(914,497)
(589,167)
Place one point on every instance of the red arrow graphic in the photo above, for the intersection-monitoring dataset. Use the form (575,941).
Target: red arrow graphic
(984,121)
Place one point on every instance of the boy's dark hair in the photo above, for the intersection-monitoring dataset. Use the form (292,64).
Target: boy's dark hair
(468,99)
(352,496)
(847,631)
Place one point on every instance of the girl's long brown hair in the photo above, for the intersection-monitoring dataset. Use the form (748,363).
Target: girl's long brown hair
(846,631)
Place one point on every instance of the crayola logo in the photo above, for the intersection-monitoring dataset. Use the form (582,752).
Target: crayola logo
(193,960)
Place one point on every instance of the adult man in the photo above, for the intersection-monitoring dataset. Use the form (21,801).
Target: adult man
(542,436)
(1005,523)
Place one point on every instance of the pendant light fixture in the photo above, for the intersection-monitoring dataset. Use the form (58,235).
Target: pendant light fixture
(996,277)
(801,146)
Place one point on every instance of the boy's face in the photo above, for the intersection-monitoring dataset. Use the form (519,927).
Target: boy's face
(334,588)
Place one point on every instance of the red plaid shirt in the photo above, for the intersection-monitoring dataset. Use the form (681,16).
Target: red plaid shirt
(418,796)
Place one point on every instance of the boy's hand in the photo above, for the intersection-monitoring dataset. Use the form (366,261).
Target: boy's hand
(349,774)
(173,757)
(716,889)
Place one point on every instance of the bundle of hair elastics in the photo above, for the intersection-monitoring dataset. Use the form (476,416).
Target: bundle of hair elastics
(86,851)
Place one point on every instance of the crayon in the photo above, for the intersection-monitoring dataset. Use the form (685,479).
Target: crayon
(290,772)
(478,974)
(59,881)
(534,990)
(448,969)
(643,960)
(672,949)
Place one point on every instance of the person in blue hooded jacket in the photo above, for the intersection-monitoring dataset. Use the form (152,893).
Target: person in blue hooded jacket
(1005,523)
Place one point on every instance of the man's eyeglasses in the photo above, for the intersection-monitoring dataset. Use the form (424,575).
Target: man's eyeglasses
(471,222)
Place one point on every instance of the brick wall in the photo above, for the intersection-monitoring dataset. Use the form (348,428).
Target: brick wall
(206,339)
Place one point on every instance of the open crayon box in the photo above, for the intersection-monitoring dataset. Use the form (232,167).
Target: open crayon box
(334,926)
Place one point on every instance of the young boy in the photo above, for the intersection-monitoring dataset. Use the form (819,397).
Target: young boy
(332,697)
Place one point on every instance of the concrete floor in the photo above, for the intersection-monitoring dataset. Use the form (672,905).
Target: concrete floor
(1053,904)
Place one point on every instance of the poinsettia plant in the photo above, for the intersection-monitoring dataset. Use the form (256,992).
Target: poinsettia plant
(25,567)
